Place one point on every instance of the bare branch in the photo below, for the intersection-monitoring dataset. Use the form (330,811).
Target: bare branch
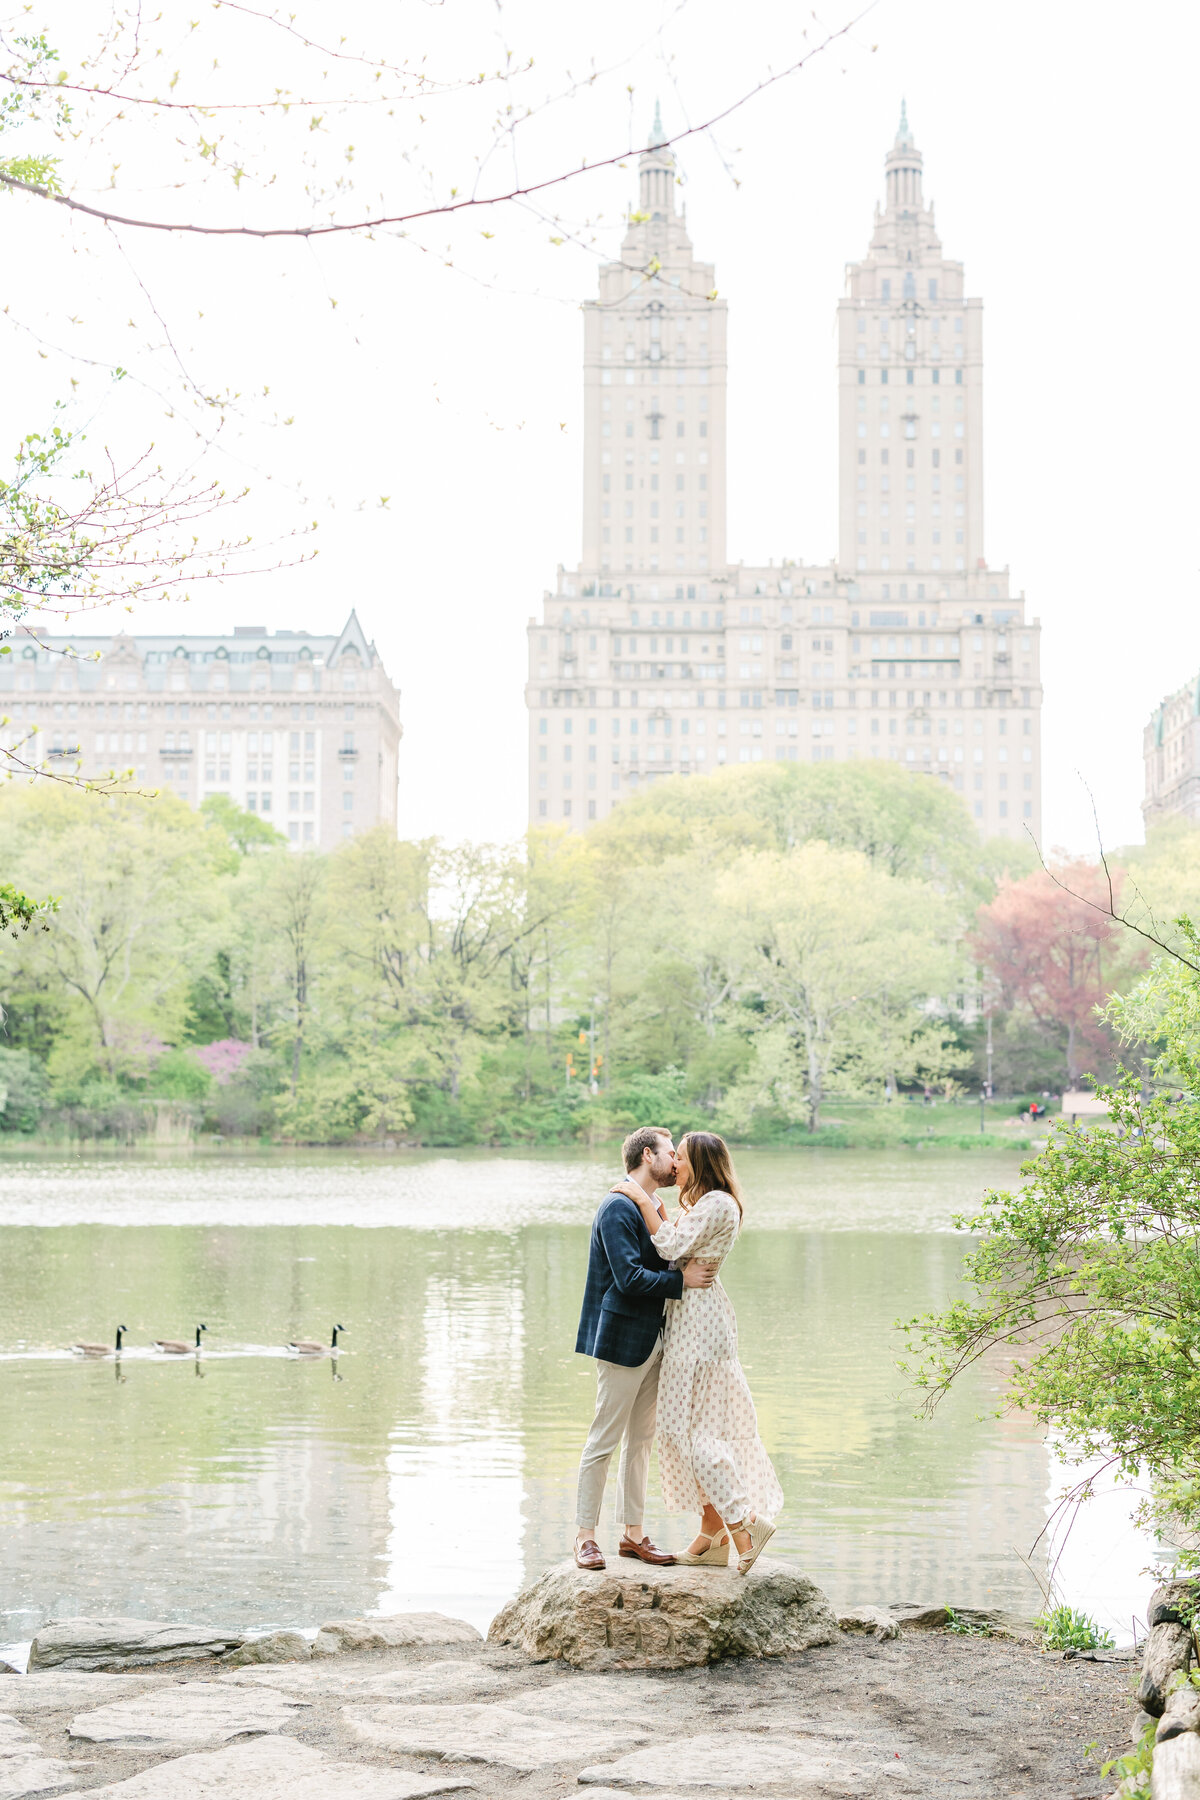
(1110,912)
(449,208)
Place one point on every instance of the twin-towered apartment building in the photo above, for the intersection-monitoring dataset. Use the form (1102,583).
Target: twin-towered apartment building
(658,656)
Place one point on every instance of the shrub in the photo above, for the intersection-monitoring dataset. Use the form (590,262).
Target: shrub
(25,1090)
(178,1076)
(1063,1628)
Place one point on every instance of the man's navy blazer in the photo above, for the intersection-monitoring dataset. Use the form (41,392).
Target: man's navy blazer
(628,1284)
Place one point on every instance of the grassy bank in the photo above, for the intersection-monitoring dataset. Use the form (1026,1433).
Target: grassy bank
(846,1126)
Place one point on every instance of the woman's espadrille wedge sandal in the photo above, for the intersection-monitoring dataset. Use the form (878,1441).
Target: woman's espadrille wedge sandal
(760,1532)
(715,1557)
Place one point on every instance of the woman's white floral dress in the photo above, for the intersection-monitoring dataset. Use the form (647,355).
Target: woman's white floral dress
(708,1442)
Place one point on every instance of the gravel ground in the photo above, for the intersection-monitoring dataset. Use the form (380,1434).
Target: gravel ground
(930,1714)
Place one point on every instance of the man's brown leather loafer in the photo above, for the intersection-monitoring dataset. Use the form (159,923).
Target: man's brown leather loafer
(645,1551)
(587,1555)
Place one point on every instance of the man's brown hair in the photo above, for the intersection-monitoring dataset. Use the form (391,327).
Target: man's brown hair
(638,1142)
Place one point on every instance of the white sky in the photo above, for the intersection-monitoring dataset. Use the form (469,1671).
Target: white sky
(1058,147)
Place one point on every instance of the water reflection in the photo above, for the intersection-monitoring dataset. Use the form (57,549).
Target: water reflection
(432,1463)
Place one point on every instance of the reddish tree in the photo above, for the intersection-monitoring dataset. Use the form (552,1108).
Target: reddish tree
(1056,955)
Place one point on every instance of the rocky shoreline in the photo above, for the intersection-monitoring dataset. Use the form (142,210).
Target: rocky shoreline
(687,1701)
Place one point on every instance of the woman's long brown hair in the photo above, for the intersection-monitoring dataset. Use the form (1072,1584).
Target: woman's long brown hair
(712,1168)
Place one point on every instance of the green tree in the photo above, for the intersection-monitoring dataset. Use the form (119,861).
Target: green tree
(244,832)
(841,956)
(137,908)
(1087,1279)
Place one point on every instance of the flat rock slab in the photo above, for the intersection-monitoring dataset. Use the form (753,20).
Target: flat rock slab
(202,1714)
(428,1681)
(24,1766)
(402,1631)
(735,1762)
(619,1700)
(487,1734)
(58,1689)
(665,1618)
(125,1644)
(270,1768)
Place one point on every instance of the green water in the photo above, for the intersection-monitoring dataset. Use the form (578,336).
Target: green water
(434,1464)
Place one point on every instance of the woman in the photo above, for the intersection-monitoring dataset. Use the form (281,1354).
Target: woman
(709,1451)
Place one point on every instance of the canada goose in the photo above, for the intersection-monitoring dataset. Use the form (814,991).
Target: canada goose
(310,1347)
(178,1346)
(101,1349)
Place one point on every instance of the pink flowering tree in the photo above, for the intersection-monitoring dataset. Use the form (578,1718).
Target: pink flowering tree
(222,1059)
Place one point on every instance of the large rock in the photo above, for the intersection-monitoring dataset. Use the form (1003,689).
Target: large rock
(489,1734)
(403,1631)
(189,1713)
(270,1768)
(125,1644)
(1168,1651)
(734,1762)
(635,1616)
(24,1766)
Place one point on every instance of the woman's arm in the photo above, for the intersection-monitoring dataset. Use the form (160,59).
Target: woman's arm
(651,1210)
(700,1231)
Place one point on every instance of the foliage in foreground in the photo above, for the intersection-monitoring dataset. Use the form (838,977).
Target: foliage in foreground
(1085,1286)
(1063,1628)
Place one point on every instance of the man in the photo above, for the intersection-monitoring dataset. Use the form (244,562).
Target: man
(628,1284)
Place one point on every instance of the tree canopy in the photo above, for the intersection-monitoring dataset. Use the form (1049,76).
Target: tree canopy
(752,943)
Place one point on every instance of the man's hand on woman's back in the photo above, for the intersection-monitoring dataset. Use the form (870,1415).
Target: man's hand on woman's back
(699,1274)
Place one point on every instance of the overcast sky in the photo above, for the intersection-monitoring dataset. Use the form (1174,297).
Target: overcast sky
(1058,148)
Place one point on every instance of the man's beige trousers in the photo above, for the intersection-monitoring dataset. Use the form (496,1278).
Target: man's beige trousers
(626,1403)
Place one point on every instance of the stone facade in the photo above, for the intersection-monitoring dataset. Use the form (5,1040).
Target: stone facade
(656,656)
(303,729)
(1171,752)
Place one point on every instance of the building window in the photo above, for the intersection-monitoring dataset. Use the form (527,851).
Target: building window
(348,800)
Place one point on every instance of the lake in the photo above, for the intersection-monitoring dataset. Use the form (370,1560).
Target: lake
(433,1465)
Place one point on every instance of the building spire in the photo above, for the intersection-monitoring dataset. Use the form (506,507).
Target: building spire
(657,175)
(903,172)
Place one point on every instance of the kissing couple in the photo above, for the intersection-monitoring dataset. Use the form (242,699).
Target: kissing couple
(664,1337)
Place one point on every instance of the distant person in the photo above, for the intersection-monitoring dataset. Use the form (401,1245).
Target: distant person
(710,1455)
(621,1325)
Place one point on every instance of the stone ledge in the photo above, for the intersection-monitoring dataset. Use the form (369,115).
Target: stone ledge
(116,1644)
(637,1616)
